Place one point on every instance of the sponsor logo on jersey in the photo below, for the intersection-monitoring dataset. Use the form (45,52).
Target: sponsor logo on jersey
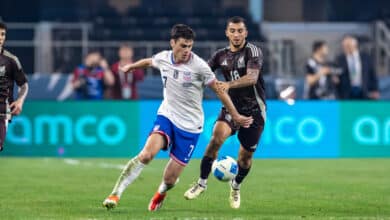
(224,63)
(241,62)
(2,70)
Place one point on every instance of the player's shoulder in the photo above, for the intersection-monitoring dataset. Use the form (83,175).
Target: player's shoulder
(197,60)
(254,50)
(162,54)
(221,51)
(12,57)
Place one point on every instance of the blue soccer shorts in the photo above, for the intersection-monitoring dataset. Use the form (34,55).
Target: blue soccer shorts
(180,143)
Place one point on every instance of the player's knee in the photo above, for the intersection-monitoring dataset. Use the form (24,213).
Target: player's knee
(145,157)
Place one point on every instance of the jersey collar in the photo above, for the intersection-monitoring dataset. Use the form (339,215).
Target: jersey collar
(176,64)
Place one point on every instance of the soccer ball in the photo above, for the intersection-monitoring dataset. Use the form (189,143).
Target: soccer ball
(225,168)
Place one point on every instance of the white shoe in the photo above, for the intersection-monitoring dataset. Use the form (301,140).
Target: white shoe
(194,191)
(234,198)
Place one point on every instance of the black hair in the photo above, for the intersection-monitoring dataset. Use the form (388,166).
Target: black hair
(3,25)
(182,31)
(318,45)
(235,20)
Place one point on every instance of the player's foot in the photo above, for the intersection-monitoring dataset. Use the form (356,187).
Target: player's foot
(111,202)
(156,202)
(194,191)
(234,198)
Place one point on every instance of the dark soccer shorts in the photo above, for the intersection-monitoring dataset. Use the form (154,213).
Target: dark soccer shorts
(248,137)
(181,144)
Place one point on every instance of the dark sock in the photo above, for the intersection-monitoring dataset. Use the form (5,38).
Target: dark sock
(242,173)
(205,167)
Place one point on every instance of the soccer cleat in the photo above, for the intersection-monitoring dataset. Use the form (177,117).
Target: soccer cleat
(234,198)
(156,202)
(111,202)
(194,191)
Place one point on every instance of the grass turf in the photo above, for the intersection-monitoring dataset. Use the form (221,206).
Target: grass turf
(47,188)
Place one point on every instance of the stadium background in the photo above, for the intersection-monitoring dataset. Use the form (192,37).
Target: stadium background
(52,39)
(316,160)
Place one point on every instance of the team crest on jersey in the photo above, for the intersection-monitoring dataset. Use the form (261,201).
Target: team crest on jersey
(241,62)
(2,70)
(187,76)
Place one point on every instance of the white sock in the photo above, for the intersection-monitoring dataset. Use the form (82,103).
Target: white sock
(163,188)
(128,175)
(202,182)
(235,185)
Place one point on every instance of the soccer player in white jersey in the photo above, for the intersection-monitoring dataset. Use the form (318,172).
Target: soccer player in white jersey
(180,116)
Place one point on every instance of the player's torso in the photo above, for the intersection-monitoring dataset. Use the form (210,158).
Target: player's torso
(183,93)
(233,66)
(6,80)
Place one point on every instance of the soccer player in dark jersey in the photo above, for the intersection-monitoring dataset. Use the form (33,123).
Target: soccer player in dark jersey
(10,72)
(240,64)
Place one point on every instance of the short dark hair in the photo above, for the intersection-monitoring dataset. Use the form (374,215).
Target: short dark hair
(235,20)
(3,25)
(182,31)
(317,45)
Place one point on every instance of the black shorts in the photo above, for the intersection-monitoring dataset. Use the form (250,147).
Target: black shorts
(248,137)
(3,130)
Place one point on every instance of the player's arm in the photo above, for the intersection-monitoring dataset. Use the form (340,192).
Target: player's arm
(140,64)
(250,79)
(17,105)
(220,88)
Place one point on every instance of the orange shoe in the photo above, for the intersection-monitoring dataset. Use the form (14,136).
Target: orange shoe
(111,202)
(156,201)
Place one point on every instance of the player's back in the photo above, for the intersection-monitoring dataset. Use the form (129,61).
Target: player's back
(183,89)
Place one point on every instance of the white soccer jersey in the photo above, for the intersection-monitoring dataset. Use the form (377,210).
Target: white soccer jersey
(183,90)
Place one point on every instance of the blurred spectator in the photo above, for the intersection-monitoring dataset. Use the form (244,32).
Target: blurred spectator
(321,79)
(358,79)
(90,78)
(125,86)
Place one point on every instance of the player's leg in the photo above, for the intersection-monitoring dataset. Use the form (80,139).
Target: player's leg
(221,132)
(3,131)
(183,146)
(170,178)
(249,138)
(159,139)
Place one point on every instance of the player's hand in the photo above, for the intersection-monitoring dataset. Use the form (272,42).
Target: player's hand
(16,107)
(243,121)
(222,86)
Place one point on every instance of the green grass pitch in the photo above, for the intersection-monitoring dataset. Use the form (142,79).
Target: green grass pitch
(48,188)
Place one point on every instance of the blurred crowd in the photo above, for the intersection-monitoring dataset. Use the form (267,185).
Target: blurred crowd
(350,76)
(95,79)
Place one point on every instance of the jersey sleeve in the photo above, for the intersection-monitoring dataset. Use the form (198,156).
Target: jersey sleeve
(208,75)
(310,67)
(19,75)
(213,61)
(255,60)
(156,59)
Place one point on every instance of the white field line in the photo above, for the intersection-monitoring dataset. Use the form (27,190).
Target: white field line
(74,162)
